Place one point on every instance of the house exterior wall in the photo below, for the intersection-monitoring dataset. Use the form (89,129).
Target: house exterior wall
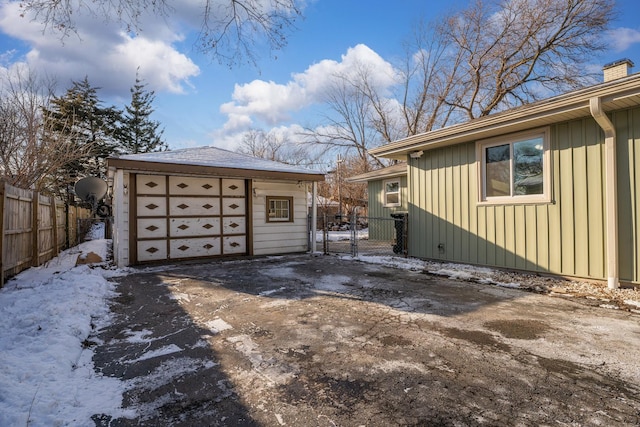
(384,230)
(266,238)
(565,237)
(121,218)
(627,124)
(285,237)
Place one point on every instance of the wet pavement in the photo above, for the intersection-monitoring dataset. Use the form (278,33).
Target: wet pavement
(313,340)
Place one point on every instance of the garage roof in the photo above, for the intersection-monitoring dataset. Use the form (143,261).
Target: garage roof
(212,160)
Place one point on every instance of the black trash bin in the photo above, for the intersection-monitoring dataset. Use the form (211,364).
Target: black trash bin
(398,247)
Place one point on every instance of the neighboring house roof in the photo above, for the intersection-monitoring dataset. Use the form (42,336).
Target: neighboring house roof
(321,201)
(213,160)
(615,95)
(393,171)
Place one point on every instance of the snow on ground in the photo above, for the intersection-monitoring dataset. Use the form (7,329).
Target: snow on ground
(450,270)
(48,313)
(337,236)
(622,298)
(47,377)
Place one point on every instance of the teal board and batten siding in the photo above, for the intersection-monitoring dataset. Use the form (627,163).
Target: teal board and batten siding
(384,230)
(627,123)
(565,237)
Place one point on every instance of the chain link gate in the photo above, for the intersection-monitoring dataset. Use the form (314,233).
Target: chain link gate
(362,235)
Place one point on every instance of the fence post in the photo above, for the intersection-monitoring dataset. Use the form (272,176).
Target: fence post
(54,218)
(73,211)
(325,235)
(310,246)
(35,234)
(354,234)
(2,225)
(71,225)
(405,232)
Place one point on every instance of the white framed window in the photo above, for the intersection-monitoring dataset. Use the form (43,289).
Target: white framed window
(279,209)
(392,192)
(515,168)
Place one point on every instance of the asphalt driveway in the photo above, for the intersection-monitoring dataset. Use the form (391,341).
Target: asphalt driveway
(321,341)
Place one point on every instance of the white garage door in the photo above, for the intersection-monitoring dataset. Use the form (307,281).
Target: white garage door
(189,217)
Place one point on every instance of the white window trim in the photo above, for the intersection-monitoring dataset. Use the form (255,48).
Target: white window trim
(384,186)
(545,197)
(279,198)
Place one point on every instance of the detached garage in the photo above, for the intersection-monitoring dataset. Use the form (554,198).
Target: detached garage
(206,202)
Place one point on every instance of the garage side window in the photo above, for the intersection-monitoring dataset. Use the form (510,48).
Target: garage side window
(515,169)
(392,193)
(279,209)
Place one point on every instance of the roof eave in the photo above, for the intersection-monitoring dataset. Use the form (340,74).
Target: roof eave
(618,94)
(384,173)
(166,167)
(358,179)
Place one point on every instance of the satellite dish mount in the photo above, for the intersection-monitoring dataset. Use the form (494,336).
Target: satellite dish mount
(91,190)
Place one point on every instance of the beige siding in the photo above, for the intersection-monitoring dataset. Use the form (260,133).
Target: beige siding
(121,218)
(277,238)
(566,236)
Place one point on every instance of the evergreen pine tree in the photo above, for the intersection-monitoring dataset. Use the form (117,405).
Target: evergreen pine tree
(138,133)
(79,117)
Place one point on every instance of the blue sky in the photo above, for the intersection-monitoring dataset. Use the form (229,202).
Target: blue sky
(200,102)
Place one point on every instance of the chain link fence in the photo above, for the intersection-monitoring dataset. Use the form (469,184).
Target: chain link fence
(361,235)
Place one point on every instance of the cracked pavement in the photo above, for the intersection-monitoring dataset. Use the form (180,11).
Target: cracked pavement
(317,340)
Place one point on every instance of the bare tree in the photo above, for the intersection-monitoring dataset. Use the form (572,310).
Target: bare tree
(231,30)
(271,146)
(428,74)
(493,55)
(29,152)
(335,188)
(347,127)
(515,51)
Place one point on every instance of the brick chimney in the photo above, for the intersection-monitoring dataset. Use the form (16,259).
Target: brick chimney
(617,70)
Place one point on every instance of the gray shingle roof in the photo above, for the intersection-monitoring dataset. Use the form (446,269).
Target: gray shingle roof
(216,157)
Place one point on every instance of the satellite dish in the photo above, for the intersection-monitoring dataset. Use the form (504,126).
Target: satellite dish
(91,189)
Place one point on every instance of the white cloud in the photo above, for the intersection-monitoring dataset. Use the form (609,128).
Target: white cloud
(237,121)
(273,103)
(103,52)
(227,140)
(269,101)
(622,38)
(161,66)
(223,138)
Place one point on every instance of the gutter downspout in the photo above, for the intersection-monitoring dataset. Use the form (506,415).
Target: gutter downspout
(314,215)
(611,186)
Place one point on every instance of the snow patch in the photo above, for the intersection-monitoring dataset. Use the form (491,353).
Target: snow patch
(268,370)
(271,291)
(168,371)
(162,351)
(389,366)
(217,325)
(178,296)
(48,314)
(508,285)
(137,336)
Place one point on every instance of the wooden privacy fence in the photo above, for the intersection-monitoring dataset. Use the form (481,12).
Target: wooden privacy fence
(33,228)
